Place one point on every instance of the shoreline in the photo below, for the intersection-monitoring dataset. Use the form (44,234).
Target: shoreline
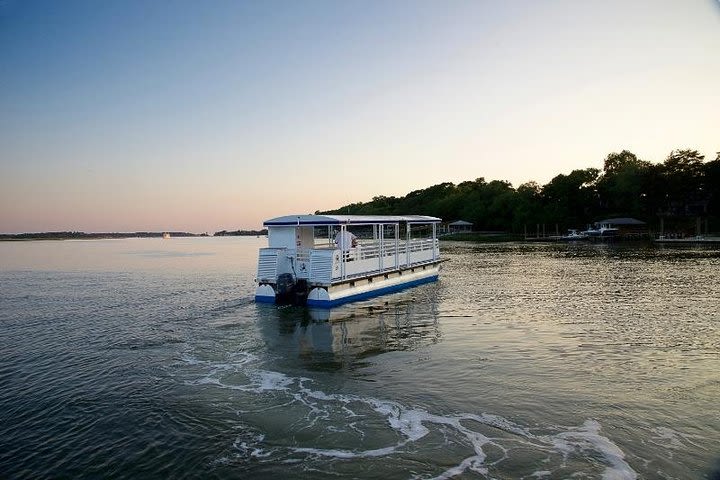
(14,237)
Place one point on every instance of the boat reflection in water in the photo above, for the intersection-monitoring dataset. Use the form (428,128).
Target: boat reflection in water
(349,333)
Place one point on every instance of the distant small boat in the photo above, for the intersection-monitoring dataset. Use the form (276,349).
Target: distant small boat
(166,235)
(574,236)
(603,230)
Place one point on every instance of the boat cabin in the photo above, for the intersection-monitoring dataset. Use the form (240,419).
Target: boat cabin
(324,260)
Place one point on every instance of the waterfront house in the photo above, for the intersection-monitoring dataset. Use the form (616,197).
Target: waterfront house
(460,226)
(626,226)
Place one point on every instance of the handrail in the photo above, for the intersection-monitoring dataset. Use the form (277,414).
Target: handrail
(326,265)
(373,249)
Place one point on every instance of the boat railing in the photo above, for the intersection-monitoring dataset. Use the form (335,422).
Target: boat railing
(375,249)
(377,256)
(423,244)
(323,265)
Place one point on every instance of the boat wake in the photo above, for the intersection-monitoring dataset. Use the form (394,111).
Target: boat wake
(291,423)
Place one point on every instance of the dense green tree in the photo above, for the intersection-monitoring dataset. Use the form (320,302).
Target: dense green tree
(527,208)
(615,162)
(571,199)
(684,175)
(712,186)
(626,186)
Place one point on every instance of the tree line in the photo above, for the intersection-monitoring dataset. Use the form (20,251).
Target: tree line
(679,190)
(240,233)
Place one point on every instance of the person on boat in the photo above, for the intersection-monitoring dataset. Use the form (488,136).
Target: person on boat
(345,240)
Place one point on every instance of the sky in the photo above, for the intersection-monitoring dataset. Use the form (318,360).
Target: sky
(127,115)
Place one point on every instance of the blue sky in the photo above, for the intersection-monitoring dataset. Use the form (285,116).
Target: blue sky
(129,115)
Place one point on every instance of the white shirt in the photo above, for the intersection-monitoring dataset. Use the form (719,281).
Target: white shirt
(344,240)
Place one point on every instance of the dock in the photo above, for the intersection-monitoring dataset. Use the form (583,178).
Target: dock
(689,241)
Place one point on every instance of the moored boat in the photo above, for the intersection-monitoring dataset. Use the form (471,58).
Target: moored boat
(326,260)
(603,230)
(574,236)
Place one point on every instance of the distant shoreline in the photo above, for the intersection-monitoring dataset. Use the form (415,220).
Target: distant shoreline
(14,237)
(91,235)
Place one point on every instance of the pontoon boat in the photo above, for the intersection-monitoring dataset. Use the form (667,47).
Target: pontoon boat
(326,260)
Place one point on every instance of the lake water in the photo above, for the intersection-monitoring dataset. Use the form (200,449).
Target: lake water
(147,358)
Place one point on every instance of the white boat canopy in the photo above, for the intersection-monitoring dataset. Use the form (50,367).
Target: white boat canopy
(315,220)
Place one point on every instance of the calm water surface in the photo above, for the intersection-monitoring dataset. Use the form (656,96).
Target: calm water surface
(147,358)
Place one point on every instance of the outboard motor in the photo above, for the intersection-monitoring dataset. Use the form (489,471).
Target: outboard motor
(289,291)
(285,288)
(301,291)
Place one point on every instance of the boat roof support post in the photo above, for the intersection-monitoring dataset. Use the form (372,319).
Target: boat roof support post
(381,246)
(434,239)
(397,245)
(407,244)
(343,273)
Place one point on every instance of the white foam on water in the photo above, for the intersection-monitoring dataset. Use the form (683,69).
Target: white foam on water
(346,454)
(251,448)
(318,395)
(267,381)
(497,422)
(220,461)
(414,424)
(261,380)
(473,463)
(588,439)
(207,381)
(674,440)
(541,474)
(408,421)
(237,360)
